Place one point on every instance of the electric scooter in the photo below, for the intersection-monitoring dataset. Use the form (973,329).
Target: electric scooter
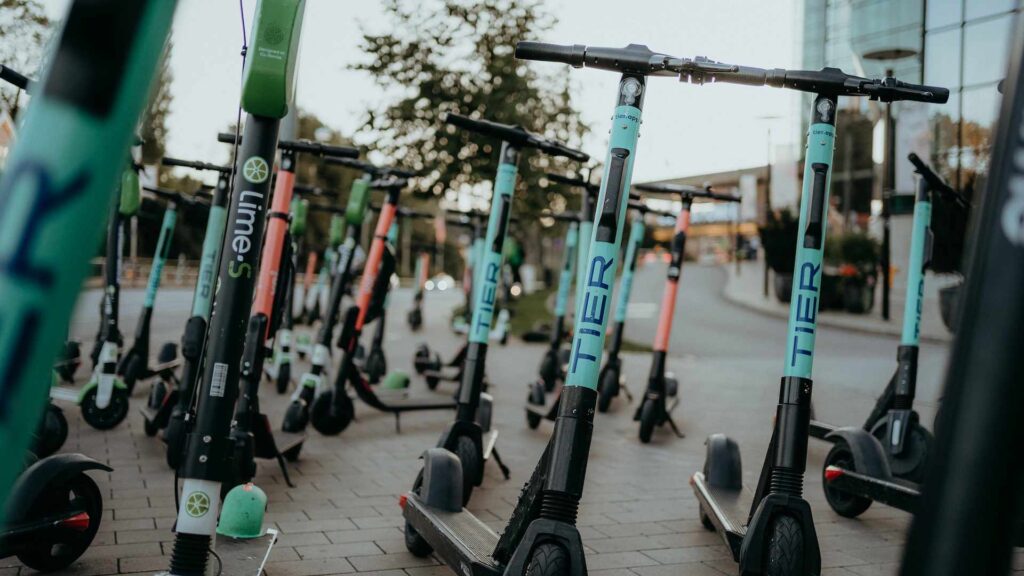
(296,416)
(414,317)
(661,396)
(168,405)
(612,380)
(426,362)
(49,192)
(251,434)
(332,409)
(779,537)
(310,313)
(104,399)
(279,369)
(541,536)
(541,406)
(374,363)
(134,364)
(970,513)
(886,461)
(266,98)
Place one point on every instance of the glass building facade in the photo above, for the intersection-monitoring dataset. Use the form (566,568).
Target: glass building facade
(958,44)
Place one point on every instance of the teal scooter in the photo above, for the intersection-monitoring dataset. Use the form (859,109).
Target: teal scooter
(779,536)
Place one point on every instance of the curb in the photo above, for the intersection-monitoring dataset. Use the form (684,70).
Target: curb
(728,293)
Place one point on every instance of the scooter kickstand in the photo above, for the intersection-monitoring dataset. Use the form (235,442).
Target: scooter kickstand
(672,424)
(497,460)
(629,395)
(398,423)
(284,469)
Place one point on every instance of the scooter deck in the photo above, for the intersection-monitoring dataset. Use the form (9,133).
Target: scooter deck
(402,404)
(820,430)
(443,375)
(285,441)
(723,506)
(245,557)
(460,539)
(901,494)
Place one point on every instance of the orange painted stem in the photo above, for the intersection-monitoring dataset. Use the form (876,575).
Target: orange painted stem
(273,245)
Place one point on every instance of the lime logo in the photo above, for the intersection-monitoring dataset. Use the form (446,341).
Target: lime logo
(197,505)
(256,170)
(273,35)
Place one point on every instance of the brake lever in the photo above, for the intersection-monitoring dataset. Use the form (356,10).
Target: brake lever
(701,67)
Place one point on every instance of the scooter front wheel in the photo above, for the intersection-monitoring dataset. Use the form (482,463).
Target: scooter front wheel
(548,559)
(53,432)
(535,398)
(648,418)
(57,549)
(109,417)
(608,389)
(134,369)
(327,423)
(469,456)
(296,417)
(785,547)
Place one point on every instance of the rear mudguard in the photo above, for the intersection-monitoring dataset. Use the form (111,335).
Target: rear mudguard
(868,454)
(34,480)
(94,383)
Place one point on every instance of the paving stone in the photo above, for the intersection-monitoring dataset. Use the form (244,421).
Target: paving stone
(318,567)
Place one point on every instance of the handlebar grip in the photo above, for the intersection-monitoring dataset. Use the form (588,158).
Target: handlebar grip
(923,93)
(398,173)
(724,197)
(228,138)
(746,75)
(168,161)
(555,149)
(541,51)
(14,78)
(311,147)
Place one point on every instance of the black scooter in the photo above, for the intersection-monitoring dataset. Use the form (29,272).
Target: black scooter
(886,459)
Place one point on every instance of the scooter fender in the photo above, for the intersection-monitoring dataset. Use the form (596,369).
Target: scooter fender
(458,428)
(34,480)
(868,454)
(755,543)
(106,384)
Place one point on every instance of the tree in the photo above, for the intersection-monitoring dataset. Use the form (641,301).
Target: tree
(24,29)
(457,56)
(154,122)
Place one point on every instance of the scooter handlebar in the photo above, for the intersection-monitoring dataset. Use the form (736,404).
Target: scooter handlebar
(688,191)
(514,135)
(543,52)
(370,168)
(14,78)
(935,182)
(195,165)
(304,146)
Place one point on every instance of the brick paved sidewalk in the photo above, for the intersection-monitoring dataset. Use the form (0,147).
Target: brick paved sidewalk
(638,517)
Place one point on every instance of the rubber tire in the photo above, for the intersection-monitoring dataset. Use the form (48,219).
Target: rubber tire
(536,398)
(53,432)
(607,390)
(320,414)
(432,382)
(465,449)
(375,366)
(415,543)
(284,377)
(913,462)
(296,417)
(647,420)
(705,520)
(846,505)
(114,414)
(785,555)
(548,559)
(39,555)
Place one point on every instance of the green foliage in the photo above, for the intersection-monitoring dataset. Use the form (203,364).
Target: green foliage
(24,29)
(855,249)
(457,56)
(154,122)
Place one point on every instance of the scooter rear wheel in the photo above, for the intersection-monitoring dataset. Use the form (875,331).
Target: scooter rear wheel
(415,543)
(535,398)
(548,559)
(109,417)
(785,547)
(326,423)
(648,418)
(284,377)
(134,369)
(466,450)
(843,503)
(59,548)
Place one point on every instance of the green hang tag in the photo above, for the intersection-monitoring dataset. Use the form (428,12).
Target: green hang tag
(357,199)
(336,235)
(299,209)
(131,193)
(268,79)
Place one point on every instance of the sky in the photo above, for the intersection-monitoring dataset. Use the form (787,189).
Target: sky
(687,129)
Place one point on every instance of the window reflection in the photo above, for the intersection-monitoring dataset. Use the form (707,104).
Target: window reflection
(943,13)
(985,50)
(981,8)
(942,58)
(980,108)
